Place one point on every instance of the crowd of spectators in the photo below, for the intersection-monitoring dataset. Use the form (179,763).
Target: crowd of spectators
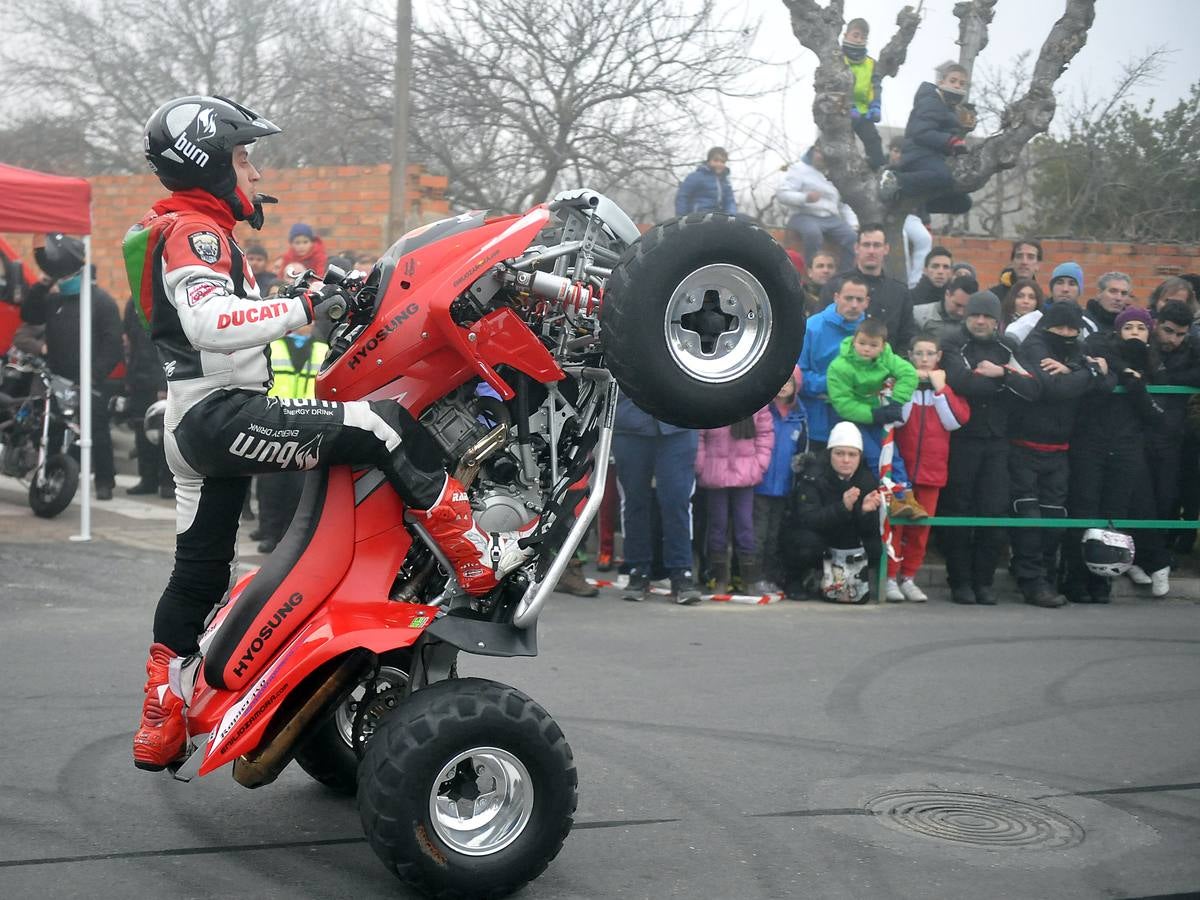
(1010,401)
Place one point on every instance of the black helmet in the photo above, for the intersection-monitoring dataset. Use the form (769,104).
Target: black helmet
(60,257)
(189,143)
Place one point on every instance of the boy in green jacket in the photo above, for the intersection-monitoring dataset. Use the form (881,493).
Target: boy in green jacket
(855,379)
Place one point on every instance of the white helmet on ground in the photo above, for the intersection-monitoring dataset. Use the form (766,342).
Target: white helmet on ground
(1107,553)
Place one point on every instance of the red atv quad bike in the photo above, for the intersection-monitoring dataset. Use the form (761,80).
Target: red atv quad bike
(507,338)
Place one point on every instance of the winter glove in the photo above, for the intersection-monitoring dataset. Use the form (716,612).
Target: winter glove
(956,146)
(967,118)
(873,111)
(887,414)
(855,114)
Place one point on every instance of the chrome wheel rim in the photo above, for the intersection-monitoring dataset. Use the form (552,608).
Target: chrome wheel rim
(718,323)
(389,685)
(481,801)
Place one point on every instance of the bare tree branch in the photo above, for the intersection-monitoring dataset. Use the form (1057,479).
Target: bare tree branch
(818,30)
(974,17)
(895,51)
(1031,115)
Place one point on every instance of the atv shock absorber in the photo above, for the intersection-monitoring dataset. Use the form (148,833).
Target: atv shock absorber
(572,296)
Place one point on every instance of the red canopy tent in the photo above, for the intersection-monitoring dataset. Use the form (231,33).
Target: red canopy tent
(34,202)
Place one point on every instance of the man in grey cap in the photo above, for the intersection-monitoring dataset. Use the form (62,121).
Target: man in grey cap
(983,370)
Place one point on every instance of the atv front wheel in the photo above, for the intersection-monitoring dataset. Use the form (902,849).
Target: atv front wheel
(467,790)
(54,486)
(703,320)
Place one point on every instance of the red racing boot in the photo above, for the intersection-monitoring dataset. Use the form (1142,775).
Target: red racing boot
(163,733)
(480,560)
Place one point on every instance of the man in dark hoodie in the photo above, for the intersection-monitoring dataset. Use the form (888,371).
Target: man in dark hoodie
(983,370)
(707,189)
(1109,302)
(1177,362)
(1040,435)
(888,299)
(1108,455)
(933,133)
(58,311)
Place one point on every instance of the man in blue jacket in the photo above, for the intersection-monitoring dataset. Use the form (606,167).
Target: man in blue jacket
(707,189)
(822,341)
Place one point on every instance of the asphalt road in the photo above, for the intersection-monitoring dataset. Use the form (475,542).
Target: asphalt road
(791,750)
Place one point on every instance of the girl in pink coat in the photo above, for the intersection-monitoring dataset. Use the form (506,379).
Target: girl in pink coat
(730,463)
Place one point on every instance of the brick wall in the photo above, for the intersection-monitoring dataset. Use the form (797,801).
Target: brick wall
(345,205)
(1147,264)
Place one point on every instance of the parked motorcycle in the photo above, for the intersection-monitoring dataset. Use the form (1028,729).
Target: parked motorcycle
(507,338)
(38,430)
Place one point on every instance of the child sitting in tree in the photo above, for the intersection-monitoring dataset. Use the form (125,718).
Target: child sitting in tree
(868,92)
(924,441)
(855,380)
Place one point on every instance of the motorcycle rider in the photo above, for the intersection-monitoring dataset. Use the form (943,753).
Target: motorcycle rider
(212,328)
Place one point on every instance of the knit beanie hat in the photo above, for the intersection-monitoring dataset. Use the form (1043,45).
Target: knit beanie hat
(1135,314)
(300,229)
(1068,270)
(984,303)
(845,434)
(959,267)
(1063,312)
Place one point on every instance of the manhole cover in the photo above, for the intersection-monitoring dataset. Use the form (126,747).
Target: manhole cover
(977,819)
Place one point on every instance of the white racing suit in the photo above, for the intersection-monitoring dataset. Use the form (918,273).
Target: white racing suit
(213,333)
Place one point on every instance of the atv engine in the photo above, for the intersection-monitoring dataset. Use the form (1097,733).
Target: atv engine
(500,497)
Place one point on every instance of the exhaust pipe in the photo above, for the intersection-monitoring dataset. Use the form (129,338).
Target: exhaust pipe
(271,757)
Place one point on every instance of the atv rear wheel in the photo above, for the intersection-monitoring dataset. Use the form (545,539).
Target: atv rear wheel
(467,790)
(703,320)
(54,486)
(329,755)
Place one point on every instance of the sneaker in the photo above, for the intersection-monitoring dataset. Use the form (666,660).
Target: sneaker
(962,595)
(573,581)
(142,487)
(893,594)
(104,492)
(162,736)
(604,562)
(763,587)
(889,186)
(913,594)
(638,585)
(1160,582)
(1138,575)
(984,595)
(906,507)
(684,589)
